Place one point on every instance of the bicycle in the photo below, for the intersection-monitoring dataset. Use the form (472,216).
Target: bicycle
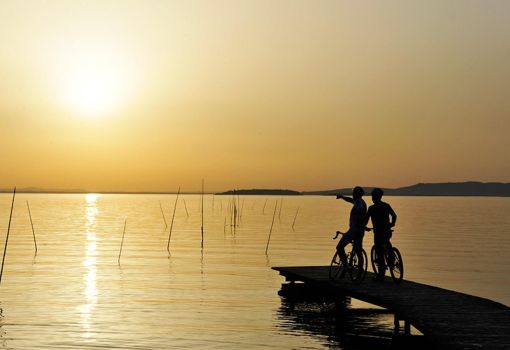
(357,272)
(392,259)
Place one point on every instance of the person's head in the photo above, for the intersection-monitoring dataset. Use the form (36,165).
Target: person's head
(377,194)
(357,192)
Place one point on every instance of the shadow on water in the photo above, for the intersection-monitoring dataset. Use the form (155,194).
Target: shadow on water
(339,325)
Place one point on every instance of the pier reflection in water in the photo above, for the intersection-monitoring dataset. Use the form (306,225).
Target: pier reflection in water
(344,325)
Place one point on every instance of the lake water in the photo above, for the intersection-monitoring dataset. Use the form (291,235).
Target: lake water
(75,294)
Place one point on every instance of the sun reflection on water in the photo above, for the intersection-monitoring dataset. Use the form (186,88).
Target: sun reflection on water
(89,262)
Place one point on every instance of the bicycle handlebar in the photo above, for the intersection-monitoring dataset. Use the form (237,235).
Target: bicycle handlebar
(338,233)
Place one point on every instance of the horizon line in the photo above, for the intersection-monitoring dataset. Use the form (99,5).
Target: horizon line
(37,190)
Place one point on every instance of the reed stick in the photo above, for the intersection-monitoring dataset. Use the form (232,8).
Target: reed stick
(264,207)
(32,224)
(172,222)
(122,242)
(238,207)
(185,207)
(229,210)
(235,210)
(280,211)
(271,229)
(295,216)
(7,238)
(202,227)
(162,213)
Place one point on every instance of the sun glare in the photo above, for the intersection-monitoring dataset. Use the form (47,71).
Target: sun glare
(94,81)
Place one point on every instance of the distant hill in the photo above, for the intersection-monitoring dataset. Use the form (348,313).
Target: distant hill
(41,190)
(265,192)
(471,188)
(455,189)
(81,191)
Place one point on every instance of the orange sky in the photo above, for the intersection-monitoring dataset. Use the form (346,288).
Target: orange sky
(152,95)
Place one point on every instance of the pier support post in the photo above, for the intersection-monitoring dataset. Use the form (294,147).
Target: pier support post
(396,325)
(407,328)
(341,303)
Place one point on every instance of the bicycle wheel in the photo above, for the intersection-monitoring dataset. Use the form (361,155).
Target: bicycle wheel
(396,266)
(336,268)
(356,266)
(373,260)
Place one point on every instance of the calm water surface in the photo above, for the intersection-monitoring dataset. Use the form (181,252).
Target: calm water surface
(74,294)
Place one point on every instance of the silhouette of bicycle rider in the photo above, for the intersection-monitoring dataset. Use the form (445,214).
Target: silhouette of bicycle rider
(357,223)
(380,213)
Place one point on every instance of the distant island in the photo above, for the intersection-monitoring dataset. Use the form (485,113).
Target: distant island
(264,192)
(471,188)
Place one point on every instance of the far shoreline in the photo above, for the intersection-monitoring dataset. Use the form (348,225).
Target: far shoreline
(449,189)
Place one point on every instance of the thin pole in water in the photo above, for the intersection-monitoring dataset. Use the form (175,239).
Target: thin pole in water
(271,229)
(297,211)
(172,223)
(230,214)
(202,227)
(185,207)
(122,242)
(280,211)
(241,211)
(32,224)
(235,209)
(162,213)
(238,207)
(264,207)
(7,238)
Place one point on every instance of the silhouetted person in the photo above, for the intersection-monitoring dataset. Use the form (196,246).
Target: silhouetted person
(383,219)
(357,223)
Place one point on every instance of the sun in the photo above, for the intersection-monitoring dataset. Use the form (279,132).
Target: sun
(94,81)
(95,89)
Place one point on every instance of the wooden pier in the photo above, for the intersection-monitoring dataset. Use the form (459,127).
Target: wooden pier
(450,319)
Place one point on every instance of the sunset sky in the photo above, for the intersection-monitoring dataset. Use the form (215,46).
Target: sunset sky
(307,95)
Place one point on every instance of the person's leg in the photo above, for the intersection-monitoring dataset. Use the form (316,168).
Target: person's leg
(358,246)
(379,248)
(340,248)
